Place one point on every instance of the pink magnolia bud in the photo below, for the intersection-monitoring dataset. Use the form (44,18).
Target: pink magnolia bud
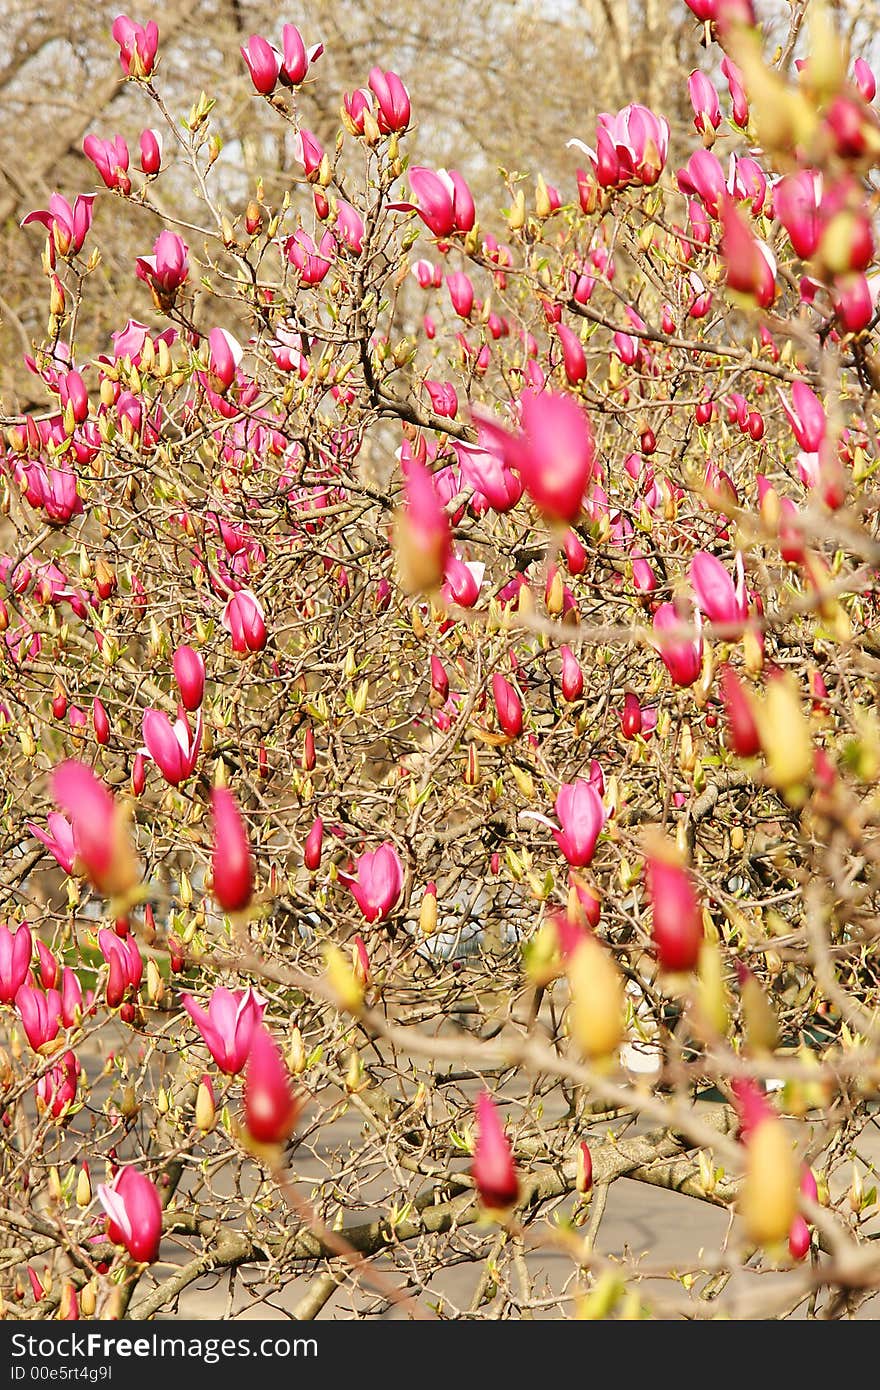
(865,79)
(134,1213)
(439,679)
(508,706)
(151,151)
(677,926)
(263,63)
(15,960)
(40,1014)
(189,672)
(572,675)
(392,100)
(631,718)
(313,845)
(444,201)
(584,1180)
(296,58)
(796,199)
(424,538)
(271,1106)
(138,774)
(232,867)
(704,100)
(853,303)
(742,729)
(493,1169)
(100,722)
(48,966)
(799,1239)
(681,656)
(574,358)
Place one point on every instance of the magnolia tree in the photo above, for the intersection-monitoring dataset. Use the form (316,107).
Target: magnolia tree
(439,731)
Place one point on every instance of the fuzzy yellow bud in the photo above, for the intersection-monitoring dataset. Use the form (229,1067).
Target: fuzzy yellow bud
(342,979)
(785,736)
(769,1197)
(595,1016)
(206,1110)
(83,1187)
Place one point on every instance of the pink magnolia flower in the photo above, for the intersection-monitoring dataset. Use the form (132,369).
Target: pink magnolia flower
(40,1014)
(68,226)
(854,302)
(312,262)
(717,596)
(377,882)
(15,960)
(174,748)
(796,200)
(232,867)
(392,100)
(271,1105)
(56,1089)
(134,1211)
(349,226)
(493,1169)
(263,63)
(682,656)
(806,415)
(494,484)
(462,581)
(126,966)
(581,817)
(48,968)
(137,45)
(703,177)
(224,355)
(110,158)
(445,204)
(553,452)
(54,491)
(750,264)
(244,619)
(631,147)
(227,1026)
(167,269)
(444,398)
(102,845)
(58,839)
(308,151)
